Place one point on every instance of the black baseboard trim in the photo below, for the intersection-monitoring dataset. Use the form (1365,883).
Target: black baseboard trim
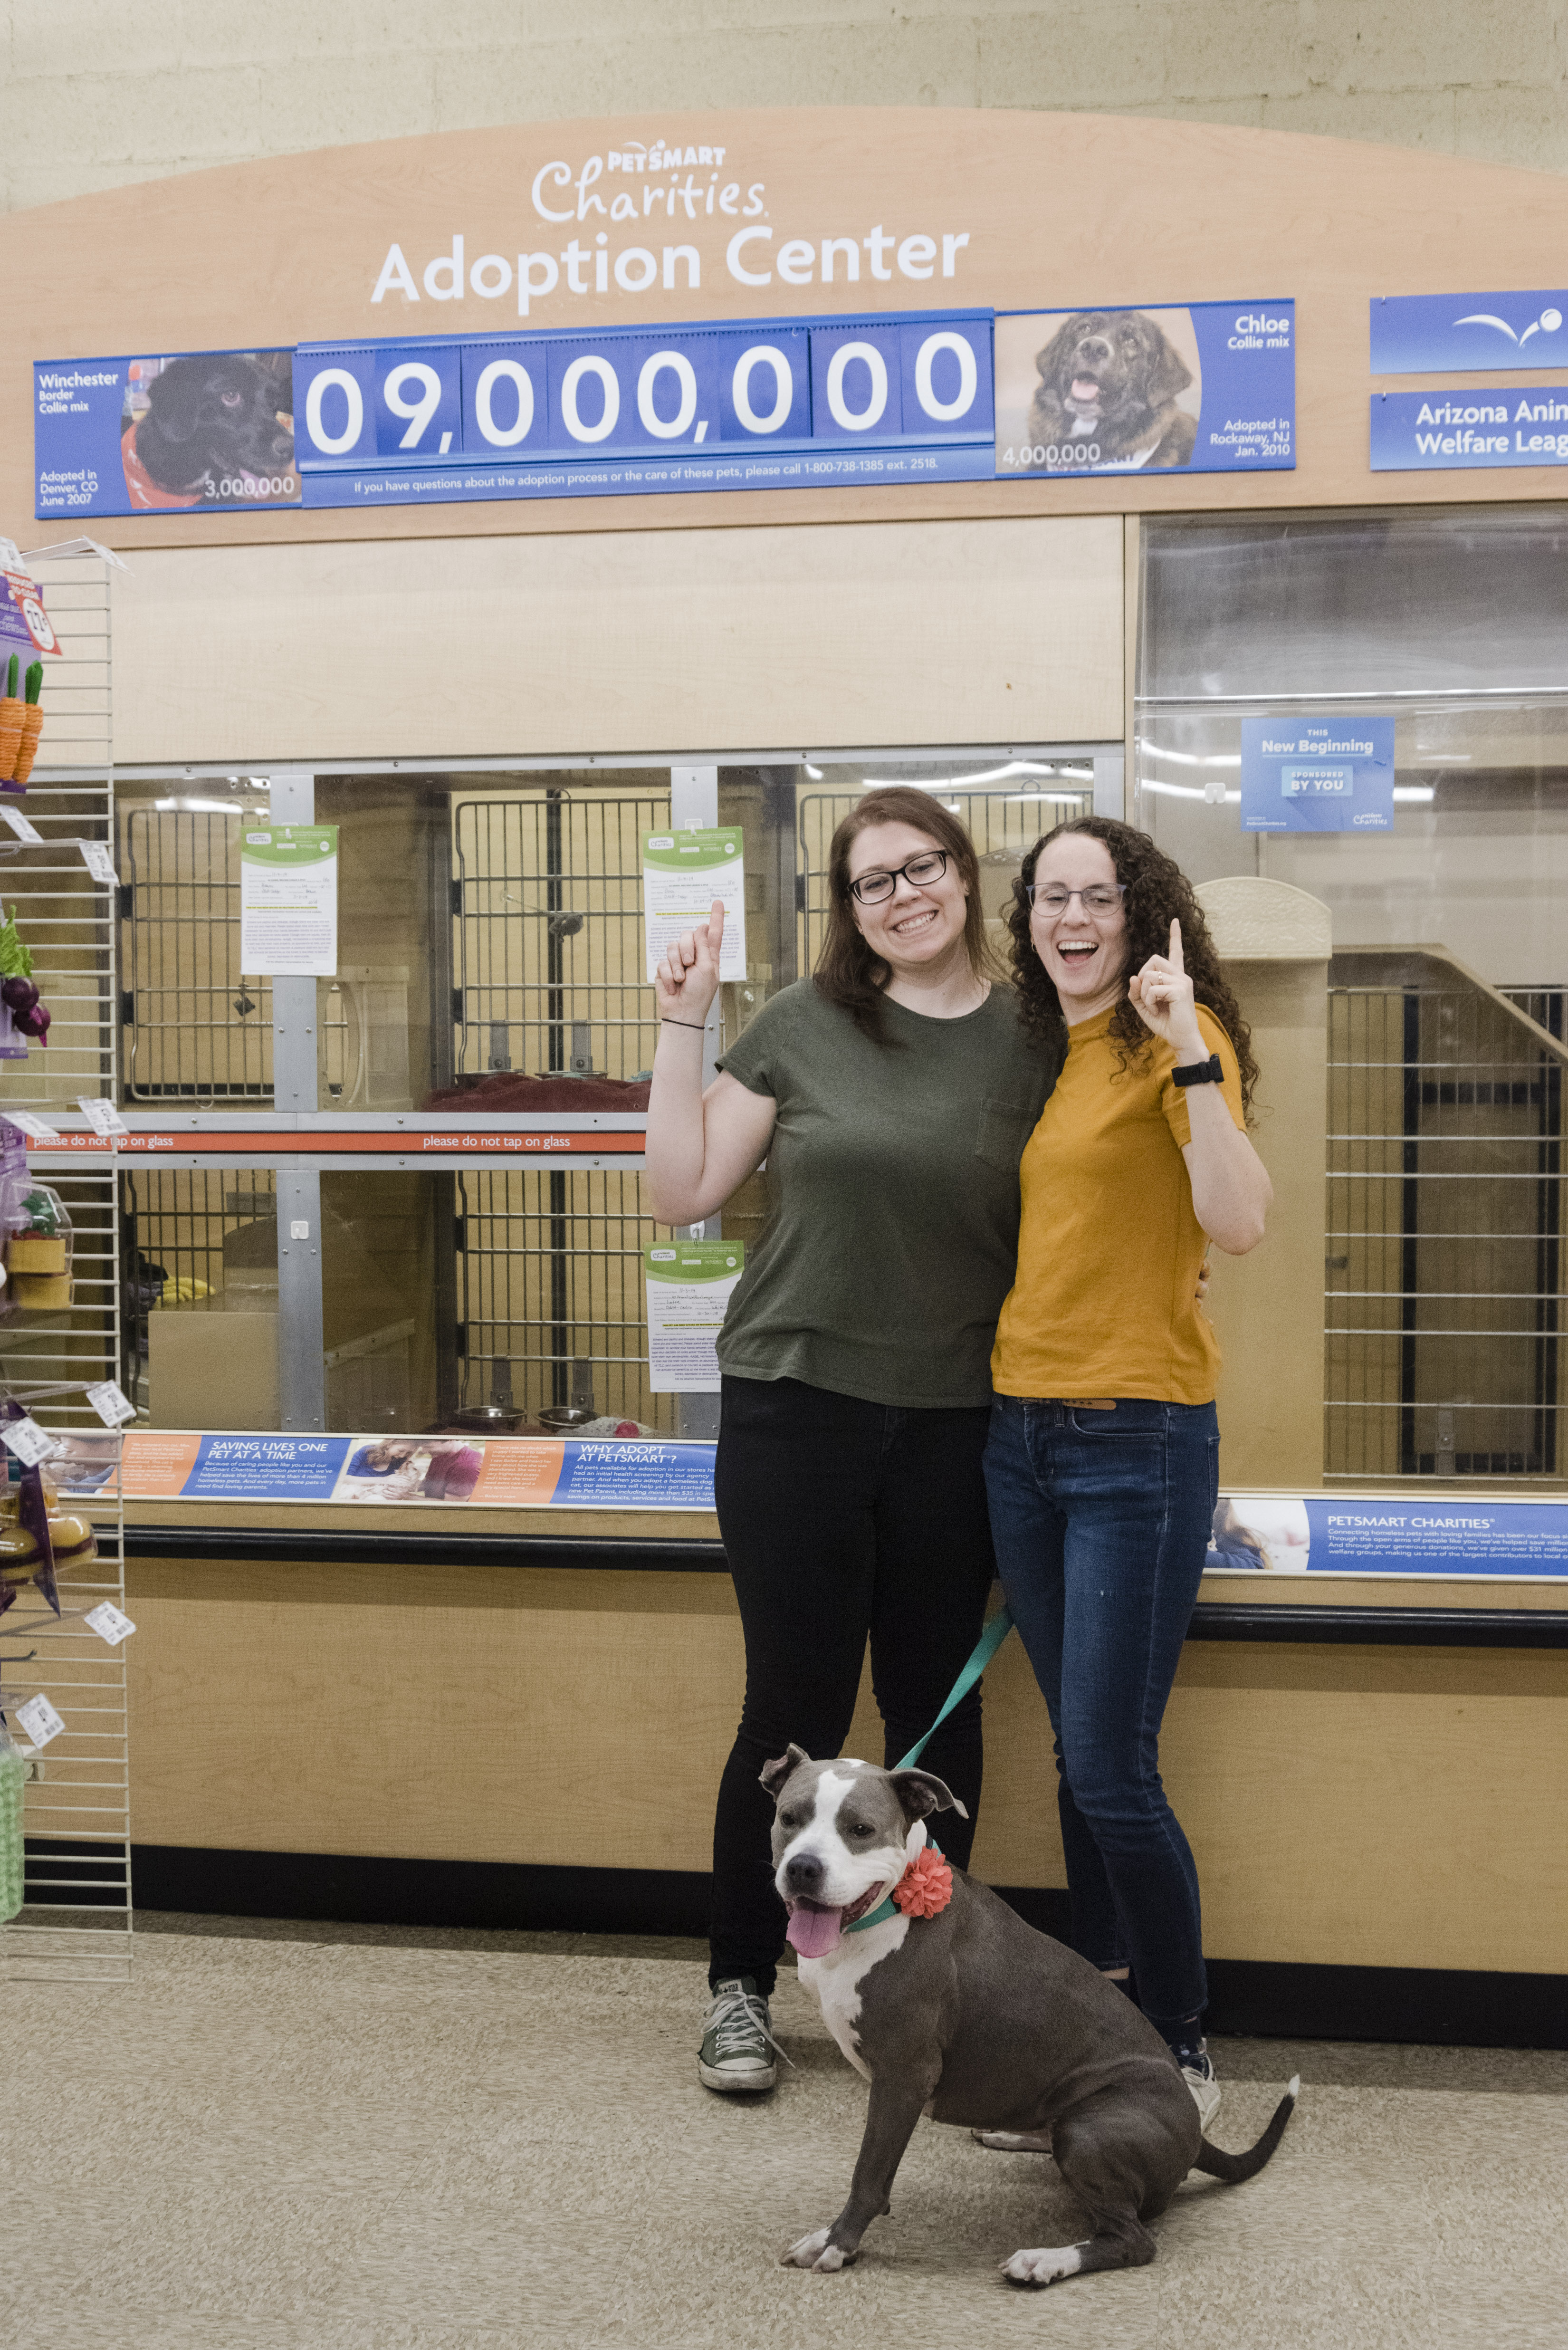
(280,1545)
(1439,2007)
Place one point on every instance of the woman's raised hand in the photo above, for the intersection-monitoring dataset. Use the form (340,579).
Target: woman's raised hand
(686,976)
(1162,994)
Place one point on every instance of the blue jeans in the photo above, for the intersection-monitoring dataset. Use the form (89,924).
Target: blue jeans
(1101,1520)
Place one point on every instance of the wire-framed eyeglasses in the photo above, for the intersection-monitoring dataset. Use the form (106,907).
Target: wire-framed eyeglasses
(919,872)
(1099,898)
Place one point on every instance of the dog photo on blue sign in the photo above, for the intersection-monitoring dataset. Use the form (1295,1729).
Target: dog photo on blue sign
(1209,387)
(1317,775)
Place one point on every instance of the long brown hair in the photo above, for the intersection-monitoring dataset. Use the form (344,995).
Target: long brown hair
(848,972)
(1157,893)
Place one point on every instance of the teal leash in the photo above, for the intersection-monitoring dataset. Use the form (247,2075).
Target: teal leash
(985,1648)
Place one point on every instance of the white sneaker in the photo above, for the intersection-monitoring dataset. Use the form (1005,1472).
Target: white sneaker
(1198,2074)
(736,2056)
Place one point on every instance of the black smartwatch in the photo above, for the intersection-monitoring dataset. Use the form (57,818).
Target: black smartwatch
(1202,1073)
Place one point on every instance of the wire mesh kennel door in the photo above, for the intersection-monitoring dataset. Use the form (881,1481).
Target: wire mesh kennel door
(192,1028)
(1003,824)
(1444,1191)
(548,922)
(548,980)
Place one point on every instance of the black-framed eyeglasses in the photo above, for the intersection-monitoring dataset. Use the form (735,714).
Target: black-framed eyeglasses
(1099,898)
(919,872)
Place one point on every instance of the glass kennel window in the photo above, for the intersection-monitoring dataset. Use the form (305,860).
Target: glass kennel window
(491,971)
(1443,1263)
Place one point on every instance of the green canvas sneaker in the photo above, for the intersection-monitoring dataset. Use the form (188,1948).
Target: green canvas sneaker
(736,2054)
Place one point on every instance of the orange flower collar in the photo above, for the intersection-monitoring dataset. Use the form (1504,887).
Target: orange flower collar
(924,1890)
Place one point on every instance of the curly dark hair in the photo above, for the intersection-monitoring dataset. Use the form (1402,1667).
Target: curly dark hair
(1157,893)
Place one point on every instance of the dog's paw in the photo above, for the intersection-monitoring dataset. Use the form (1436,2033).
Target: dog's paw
(1047,2266)
(1014,2141)
(815,2251)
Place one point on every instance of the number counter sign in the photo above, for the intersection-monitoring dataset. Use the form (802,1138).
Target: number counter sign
(892,396)
(1317,775)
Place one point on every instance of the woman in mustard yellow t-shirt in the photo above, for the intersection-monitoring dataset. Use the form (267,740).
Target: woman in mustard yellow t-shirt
(1102,1464)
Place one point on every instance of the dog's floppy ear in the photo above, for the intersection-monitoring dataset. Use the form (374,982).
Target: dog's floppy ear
(174,397)
(773,1774)
(921,1792)
(1055,362)
(1170,372)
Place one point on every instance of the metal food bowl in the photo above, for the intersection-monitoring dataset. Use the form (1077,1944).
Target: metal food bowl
(565,1415)
(492,1419)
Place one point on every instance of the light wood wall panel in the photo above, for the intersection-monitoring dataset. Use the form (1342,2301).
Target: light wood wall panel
(1389,1807)
(866,634)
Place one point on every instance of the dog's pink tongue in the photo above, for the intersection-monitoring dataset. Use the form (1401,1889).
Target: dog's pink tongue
(1086,388)
(813,1932)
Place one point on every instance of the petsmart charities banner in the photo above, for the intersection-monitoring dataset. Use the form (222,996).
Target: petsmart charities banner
(1286,1533)
(883,397)
(644,1472)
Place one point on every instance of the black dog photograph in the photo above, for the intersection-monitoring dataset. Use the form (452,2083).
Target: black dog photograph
(213,429)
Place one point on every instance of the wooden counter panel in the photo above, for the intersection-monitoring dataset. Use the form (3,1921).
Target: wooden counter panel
(1371,1806)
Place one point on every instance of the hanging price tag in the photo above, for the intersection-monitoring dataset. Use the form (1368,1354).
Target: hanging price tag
(98,862)
(108,1623)
(100,1115)
(21,827)
(37,1129)
(39,1719)
(111,1403)
(27,1441)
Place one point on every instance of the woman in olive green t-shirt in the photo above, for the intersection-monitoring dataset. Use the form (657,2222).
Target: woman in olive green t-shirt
(892,1096)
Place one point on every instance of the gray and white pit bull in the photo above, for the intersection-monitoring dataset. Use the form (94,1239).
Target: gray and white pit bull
(972,2017)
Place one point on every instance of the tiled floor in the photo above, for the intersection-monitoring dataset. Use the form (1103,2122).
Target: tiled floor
(306,2137)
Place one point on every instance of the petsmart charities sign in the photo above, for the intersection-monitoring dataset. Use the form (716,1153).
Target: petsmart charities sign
(481,385)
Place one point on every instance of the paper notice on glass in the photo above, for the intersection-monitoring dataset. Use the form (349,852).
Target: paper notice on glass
(689,1284)
(682,873)
(288,901)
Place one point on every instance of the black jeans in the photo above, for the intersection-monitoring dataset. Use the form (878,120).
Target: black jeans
(842,1519)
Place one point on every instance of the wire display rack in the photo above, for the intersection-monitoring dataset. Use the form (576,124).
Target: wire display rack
(1444,1281)
(77,1920)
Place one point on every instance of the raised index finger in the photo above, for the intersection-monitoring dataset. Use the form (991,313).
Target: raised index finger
(1177,962)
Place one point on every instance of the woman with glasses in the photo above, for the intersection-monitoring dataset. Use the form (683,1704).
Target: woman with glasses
(1103,1461)
(891,1095)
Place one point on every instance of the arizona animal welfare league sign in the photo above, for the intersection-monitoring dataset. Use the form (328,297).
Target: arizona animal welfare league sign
(460,252)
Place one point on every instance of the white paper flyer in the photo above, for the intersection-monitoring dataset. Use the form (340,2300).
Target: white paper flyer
(288,902)
(682,873)
(689,1284)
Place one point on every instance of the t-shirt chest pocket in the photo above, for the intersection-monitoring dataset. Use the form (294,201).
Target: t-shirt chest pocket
(1004,1129)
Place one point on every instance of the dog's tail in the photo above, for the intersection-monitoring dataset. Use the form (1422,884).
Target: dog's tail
(1215,2163)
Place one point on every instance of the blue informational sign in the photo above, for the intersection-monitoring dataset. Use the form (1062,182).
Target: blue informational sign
(1209,387)
(1389,1534)
(206,432)
(641,1476)
(787,403)
(265,1468)
(1457,431)
(1428,333)
(1317,775)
